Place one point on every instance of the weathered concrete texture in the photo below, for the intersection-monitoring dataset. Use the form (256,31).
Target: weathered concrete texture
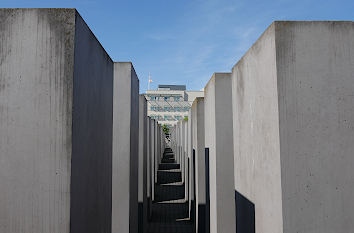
(190,166)
(197,118)
(125,149)
(158,148)
(179,145)
(155,149)
(142,195)
(219,140)
(148,170)
(256,133)
(55,124)
(152,157)
(186,163)
(162,142)
(293,109)
(177,134)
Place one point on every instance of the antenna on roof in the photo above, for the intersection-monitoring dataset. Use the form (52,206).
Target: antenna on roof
(150,81)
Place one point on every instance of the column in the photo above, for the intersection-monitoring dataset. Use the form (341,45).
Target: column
(219,143)
(125,149)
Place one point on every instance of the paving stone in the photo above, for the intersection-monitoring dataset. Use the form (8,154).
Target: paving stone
(168,166)
(169,211)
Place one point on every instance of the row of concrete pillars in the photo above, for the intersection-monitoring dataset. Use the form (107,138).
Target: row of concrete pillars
(270,146)
(76,146)
(269,149)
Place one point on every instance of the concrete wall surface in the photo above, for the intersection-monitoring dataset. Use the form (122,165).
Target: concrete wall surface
(186,163)
(36,98)
(142,195)
(125,148)
(91,162)
(191,167)
(152,158)
(316,115)
(148,166)
(46,142)
(156,150)
(179,144)
(219,140)
(256,133)
(197,117)
(293,135)
(209,128)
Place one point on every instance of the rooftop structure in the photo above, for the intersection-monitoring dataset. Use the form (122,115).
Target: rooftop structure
(172,87)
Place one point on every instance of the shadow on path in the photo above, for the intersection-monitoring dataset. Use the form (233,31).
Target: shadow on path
(169,210)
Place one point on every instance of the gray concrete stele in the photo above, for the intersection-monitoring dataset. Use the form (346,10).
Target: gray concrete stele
(293,120)
(219,153)
(56,96)
(125,149)
(198,142)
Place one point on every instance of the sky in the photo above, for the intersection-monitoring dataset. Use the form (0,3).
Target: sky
(186,41)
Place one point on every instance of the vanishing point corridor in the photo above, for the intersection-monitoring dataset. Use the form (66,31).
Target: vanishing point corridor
(170,209)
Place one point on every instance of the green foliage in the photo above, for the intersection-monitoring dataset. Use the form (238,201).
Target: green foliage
(165,129)
(186,118)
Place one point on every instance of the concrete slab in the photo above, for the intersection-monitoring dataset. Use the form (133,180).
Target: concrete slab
(156,150)
(190,167)
(125,149)
(142,196)
(293,135)
(198,145)
(219,141)
(149,167)
(186,159)
(152,158)
(55,124)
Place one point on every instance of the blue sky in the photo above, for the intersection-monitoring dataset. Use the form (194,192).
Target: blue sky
(186,41)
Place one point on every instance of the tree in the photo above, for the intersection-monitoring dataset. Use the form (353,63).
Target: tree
(165,129)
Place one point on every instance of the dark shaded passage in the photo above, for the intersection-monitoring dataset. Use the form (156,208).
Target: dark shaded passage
(170,210)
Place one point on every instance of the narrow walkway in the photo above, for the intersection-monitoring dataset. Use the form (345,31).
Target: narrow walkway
(169,211)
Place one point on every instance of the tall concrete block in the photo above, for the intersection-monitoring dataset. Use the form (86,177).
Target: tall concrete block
(125,149)
(157,145)
(219,142)
(149,168)
(55,124)
(156,150)
(163,142)
(173,140)
(152,157)
(179,144)
(159,136)
(186,159)
(191,169)
(174,137)
(198,145)
(142,195)
(180,147)
(293,109)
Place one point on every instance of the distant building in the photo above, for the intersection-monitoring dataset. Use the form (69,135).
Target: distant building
(170,103)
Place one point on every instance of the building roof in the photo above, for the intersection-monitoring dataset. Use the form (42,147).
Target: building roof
(173,87)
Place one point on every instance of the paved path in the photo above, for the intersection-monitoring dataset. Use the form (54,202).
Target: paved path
(169,211)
